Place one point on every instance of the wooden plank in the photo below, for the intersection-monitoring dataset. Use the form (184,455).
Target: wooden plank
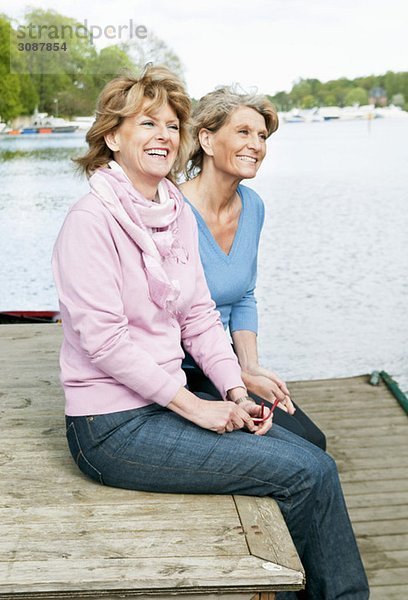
(367,487)
(388,592)
(381,543)
(126,594)
(338,442)
(152,514)
(78,544)
(394,559)
(228,574)
(365,404)
(374,475)
(266,532)
(389,576)
(372,451)
(379,528)
(379,499)
(371,463)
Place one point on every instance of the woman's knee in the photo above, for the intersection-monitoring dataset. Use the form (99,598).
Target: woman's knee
(329,471)
(318,438)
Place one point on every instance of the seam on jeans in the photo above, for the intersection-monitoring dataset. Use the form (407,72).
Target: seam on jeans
(212,473)
(80,453)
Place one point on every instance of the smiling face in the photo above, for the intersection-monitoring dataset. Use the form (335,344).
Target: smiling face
(145,145)
(239,146)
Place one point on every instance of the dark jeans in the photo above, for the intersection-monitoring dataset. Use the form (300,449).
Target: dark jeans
(154,449)
(298,423)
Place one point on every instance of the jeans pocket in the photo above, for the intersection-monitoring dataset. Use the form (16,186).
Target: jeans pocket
(79,457)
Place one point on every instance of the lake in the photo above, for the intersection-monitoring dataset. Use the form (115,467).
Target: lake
(332,287)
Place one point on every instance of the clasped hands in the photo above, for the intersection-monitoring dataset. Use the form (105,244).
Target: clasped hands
(228,416)
(268,386)
(223,417)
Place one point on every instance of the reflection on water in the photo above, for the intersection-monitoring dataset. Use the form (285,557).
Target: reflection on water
(332,291)
(36,154)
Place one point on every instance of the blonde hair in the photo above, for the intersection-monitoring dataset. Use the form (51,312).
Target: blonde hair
(212,112)
(124,96)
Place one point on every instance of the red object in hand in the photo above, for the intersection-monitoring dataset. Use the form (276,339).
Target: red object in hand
(262,418)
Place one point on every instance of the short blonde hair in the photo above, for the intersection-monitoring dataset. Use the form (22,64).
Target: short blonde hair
(212,112)
(124,96)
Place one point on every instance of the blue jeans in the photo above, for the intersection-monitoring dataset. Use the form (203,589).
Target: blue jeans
(156,450)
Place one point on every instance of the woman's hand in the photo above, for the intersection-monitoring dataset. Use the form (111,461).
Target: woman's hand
(254,410)
(223,417)
(268,386)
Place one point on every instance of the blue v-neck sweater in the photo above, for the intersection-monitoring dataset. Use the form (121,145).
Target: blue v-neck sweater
(231,277)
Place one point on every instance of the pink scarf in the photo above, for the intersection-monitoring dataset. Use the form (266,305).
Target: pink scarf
(152,226)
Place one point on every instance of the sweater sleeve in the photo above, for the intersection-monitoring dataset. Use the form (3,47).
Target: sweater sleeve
(204,336)
(88,279)
(244,312)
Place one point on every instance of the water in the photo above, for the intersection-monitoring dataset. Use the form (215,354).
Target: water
(332,291)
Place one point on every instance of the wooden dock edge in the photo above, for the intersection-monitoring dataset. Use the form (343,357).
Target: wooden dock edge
(257,514)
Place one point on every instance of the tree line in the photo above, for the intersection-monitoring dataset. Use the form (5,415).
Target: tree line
(391,88)
(43,67)
(50,78)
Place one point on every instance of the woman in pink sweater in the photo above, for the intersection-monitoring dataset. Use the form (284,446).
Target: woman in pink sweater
(128,273)
(131,290)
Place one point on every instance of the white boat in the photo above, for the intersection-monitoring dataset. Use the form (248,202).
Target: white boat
(393,112)
(329,113)
(44,123)
(293,116)
(311,115)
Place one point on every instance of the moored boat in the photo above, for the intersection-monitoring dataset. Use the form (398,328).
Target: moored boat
(29,316)
(43,123)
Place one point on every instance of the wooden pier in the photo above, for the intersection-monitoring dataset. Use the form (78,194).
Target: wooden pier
(63,536)
(367,434)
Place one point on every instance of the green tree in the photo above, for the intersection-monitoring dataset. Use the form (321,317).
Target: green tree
(301,89)
(154,50)
(357,95)
(282,101)
(111,61)
(367,82)
(398,100)
(10,88)
(308,101)
(55,74)
(328,99)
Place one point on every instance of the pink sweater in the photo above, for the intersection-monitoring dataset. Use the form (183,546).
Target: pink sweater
(120,350)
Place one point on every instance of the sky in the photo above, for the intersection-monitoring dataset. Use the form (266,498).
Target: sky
(264,45)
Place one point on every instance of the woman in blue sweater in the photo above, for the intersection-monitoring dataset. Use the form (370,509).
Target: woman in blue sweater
(230,132)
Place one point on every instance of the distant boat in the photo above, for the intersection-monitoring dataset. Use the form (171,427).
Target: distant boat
(293,116)
(329,113)
(43,123)
(29,316)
